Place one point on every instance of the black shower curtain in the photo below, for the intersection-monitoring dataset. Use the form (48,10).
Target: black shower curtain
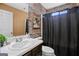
(61,31)
(47,29)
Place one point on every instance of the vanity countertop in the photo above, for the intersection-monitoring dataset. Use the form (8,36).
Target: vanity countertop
(34,42)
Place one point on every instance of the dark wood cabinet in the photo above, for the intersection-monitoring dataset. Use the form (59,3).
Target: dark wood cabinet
(37,51)
(27,54)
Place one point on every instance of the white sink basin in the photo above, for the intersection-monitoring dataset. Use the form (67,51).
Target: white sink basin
(19,45)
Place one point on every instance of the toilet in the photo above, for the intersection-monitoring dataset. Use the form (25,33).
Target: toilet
(47,51)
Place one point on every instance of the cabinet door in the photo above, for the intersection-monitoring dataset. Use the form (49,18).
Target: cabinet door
(6,23)
(37,51)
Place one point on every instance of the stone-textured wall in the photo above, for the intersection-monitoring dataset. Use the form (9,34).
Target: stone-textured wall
(34,11)
(37,8)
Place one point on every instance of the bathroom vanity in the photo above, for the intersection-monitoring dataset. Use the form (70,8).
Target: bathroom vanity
(37,51)
(28,47)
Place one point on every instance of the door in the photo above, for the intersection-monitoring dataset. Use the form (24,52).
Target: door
(6,23)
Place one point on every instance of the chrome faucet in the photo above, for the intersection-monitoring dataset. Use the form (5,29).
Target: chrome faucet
(18,39)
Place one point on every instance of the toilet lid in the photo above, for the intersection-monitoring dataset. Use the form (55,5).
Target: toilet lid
(47,49)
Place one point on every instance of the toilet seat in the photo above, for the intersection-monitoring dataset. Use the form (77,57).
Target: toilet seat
(47,49)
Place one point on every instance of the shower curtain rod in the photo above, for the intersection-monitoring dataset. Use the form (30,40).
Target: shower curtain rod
(63,7)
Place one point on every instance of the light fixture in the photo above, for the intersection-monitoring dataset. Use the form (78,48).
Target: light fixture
(63,12)
(55,14)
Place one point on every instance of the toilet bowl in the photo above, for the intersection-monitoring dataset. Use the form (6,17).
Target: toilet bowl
(47,51)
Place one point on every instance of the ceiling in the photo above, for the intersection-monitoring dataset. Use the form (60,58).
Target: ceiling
(24,6)
(51,5)
(20,6)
